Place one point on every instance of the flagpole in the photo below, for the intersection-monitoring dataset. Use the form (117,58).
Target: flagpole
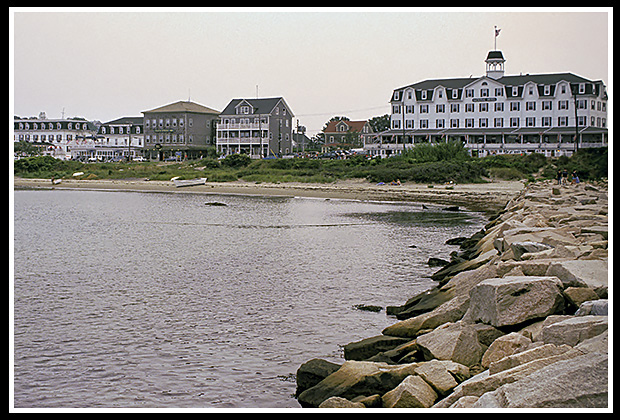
(495,39)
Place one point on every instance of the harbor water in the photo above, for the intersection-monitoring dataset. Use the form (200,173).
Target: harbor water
(126,299)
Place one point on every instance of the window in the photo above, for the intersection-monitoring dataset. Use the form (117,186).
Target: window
(396,95)
(547,105)
(469,93)
(440,93)
(582,104)
(499,91)
(582,88)
(440,108)
(454,107)
(499,106)
(498,122)
(395,123)
(440,123)
(190,123)
(515,106)
(530,122)
(455,94)
(409,109)
(469,122)
(423,123)
(423,95)
(483,122)
(562,104)
(515,91)
(454,123)
(409,124)
(562,121)
(424,109)
(469,107)
(409,94)
(514,122)
(546,121)
(483,107)
(395,109)
(484,93)
(530,106)
(547,90)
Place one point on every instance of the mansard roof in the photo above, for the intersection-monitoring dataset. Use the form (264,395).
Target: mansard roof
(520,80)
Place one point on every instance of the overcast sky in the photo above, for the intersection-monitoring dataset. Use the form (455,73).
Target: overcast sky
(111,63)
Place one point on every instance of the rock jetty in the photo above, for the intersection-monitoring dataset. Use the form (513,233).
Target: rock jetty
(518,319)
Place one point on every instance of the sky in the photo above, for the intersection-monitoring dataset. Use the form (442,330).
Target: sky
(103,64)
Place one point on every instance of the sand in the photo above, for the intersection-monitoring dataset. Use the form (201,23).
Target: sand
(487,197)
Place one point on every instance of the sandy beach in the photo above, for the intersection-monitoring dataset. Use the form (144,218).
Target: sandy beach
(487,197)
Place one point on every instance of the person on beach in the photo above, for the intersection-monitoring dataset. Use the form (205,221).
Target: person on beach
(564,176)
(575,177)
(559,177)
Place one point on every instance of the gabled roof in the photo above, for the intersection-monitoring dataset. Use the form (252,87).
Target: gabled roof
(353,126)
(184,106)
(260,106)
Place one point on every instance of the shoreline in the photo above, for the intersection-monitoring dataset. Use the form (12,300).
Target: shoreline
(488,197)
(518,319)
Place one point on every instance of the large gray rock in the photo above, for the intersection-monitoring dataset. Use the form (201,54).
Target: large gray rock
(452,341)
(450,311)
(442,375)
(356,378)
(312,372)
(580,382)
(581,273)
(505,346)
(593,307)
(412,392)
(513,300)
(339,402)
(368,347)
(574,330)
(486,382)
(527,247)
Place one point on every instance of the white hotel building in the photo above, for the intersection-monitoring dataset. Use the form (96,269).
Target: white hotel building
(494,113)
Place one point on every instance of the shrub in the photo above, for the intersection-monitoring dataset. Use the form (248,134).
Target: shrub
(236,161)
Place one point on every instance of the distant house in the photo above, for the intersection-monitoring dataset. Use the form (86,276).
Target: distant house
(57,137)
(181,129)
(345,133)
(256,127)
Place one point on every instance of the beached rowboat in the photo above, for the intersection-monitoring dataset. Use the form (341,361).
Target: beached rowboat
(189,182)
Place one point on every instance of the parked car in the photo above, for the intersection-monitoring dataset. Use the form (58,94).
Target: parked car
(139,159)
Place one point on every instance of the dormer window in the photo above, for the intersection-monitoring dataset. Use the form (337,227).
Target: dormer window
(396,96)
(515,91)
(423,95)
(455,94)
(547,90)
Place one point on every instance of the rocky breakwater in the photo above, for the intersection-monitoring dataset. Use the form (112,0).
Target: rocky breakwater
(518,319)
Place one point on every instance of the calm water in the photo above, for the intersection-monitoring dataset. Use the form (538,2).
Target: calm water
(158,300)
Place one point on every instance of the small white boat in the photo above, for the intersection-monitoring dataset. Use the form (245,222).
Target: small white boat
(56,181)
(189,182)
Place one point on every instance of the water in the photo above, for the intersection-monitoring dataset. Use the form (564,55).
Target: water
(158,300)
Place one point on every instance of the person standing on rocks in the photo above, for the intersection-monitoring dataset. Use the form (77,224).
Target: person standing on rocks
(559,177)
(564,176)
